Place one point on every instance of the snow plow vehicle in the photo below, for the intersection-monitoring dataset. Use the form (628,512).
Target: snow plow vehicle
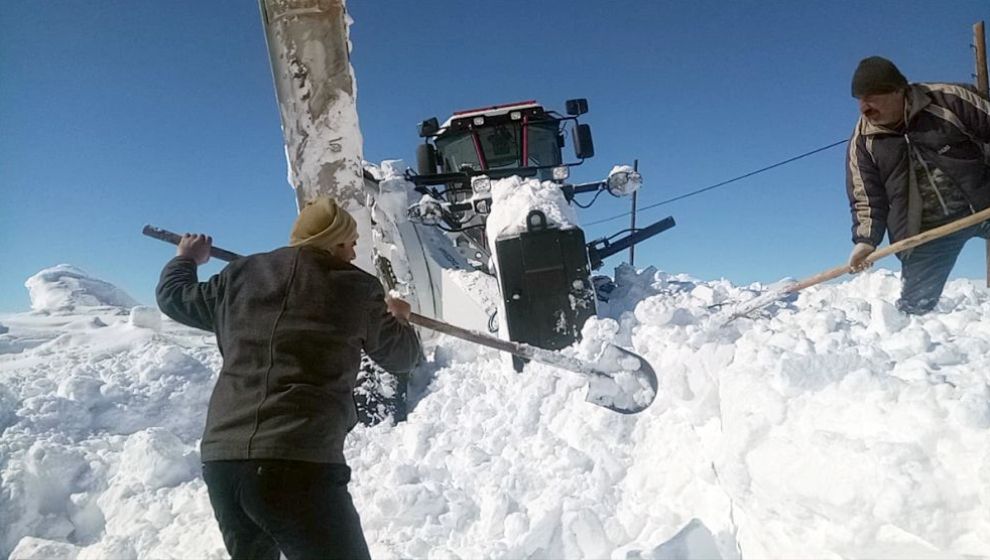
(432,233)
(482,235)
(543,269)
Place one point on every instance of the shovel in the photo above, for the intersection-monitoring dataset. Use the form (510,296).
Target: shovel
(618,380)
(766,299)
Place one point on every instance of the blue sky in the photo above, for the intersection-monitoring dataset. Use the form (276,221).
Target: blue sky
(116,114)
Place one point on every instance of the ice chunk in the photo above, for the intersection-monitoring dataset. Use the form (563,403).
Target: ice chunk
(146,317)
(693,541)
(158,459)
(31,548)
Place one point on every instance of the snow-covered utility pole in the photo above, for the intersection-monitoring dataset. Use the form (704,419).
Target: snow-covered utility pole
(632,220)
(980,46)
(310,56)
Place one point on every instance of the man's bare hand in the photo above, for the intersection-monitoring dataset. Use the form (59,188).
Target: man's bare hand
(196,246)
(857,259)
(398,309)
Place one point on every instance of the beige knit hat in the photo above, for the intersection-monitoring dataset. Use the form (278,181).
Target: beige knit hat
(321,223)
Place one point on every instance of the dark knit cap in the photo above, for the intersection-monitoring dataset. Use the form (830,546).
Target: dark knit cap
(877,75)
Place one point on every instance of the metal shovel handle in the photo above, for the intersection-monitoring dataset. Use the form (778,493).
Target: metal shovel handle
(174,238)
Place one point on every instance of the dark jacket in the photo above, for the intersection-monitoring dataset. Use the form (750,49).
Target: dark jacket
(290,325)
(948,126)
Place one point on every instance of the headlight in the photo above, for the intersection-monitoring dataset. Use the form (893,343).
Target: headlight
(623,181)
(427,211)
(483,206)
(561,173)
(481,184)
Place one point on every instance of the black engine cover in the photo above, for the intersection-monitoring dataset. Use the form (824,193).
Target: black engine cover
(546,286)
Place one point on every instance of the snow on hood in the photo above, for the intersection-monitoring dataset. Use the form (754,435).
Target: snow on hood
(512,200)
(65,287)
(830,426)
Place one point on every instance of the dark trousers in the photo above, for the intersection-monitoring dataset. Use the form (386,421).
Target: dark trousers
(302,510)
(926,268)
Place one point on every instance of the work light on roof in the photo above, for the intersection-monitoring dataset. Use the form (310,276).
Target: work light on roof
(478,121)
(515,115)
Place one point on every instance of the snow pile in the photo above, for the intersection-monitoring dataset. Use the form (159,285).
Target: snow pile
(65,287)
(830,426)
(513,198)
(99,420)
(146,317)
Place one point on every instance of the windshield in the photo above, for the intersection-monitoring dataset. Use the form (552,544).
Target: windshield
(502,145)
(457,151)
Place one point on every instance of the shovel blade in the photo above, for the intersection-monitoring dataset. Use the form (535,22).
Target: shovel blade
(625,383)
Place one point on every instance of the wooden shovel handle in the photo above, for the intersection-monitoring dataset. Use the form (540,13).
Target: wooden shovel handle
(902,245)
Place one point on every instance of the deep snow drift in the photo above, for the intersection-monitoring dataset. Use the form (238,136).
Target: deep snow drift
(829,427)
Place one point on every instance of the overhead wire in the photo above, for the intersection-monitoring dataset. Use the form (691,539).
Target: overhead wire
(721,184)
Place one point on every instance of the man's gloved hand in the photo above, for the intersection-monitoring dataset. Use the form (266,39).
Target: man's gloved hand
(195,246)
(857,259)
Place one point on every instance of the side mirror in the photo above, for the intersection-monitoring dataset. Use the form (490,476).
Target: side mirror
(426,159)
(584,147)
(576,107)
(429,127)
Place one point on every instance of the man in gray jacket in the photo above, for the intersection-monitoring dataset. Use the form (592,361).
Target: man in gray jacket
(291,325)
(917,160)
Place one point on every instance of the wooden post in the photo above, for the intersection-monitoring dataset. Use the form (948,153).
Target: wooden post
(632,226)
(980,45)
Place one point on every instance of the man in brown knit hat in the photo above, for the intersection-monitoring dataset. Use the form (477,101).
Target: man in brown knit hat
(291,325)
(327,226)
(916,161)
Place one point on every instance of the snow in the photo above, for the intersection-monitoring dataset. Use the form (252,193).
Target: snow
(65,286)
(146,317)
(512,200)
(829,426)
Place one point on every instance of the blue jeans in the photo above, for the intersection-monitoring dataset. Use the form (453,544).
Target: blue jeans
(925,270)
(301,509)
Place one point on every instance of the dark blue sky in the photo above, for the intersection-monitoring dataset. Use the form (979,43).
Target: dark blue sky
(115,114)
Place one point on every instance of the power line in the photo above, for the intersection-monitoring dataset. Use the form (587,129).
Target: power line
(723,183)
